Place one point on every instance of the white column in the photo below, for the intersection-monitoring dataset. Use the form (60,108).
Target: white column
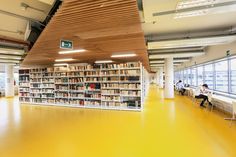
(169,78)
(157,78)
(9,81)
(161,84)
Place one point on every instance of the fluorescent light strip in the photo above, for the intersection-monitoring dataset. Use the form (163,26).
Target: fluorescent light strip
(64,60)
(103,61)
(61,64)
(123,55)
(207,10)
(192,42)
(177,60)
(196,3)
(71,51)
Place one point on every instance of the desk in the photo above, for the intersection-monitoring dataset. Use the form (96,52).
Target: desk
(188,89)
(226,100)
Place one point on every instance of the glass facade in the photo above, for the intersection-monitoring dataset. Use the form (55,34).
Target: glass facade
(219,75)
(209,75)
(200,75)
(233,76)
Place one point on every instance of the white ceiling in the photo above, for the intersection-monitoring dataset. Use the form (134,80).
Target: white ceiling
(167,24)
(15,24)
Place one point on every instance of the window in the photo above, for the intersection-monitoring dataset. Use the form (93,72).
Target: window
(233,75)
(221,70)
(189,76)
(209,75)
(199,75)
(194,76)
(219,75)
(185,76)
(181,75)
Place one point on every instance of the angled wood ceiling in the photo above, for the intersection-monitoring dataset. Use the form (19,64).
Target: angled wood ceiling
(102,27)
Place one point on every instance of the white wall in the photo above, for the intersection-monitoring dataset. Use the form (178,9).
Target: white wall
(212,53)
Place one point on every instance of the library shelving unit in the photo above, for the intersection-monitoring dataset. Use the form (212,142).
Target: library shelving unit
(103,86)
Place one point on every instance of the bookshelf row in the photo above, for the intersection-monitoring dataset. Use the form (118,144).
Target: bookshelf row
(114,86)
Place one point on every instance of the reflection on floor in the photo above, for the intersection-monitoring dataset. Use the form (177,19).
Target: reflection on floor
(166,128)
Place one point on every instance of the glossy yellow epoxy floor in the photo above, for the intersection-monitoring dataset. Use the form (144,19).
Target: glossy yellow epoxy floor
(166,128)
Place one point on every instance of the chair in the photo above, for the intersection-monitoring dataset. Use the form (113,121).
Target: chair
(209,95)
(192,94)
(234,112)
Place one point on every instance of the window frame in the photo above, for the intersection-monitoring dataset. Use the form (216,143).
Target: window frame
(227,93)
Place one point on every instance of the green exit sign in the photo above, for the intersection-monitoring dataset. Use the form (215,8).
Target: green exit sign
(66,44)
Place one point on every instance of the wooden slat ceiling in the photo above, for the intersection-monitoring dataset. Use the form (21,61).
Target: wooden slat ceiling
(102,27)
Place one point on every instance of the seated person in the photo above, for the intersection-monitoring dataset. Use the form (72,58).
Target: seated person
(180,87)
(201,93)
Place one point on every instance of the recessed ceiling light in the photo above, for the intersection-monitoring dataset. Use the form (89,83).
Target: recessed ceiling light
(71,51)
(124,55)
(61,64)
(104,61)
(65,59)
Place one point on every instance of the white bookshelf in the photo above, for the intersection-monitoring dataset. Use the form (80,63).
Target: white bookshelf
(104,86)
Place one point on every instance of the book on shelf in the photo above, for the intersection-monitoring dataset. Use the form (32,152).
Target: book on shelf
(60,69)
(94,103)
(130,93)
(111,85)
(110,91)
(76,74)
(76,102)
(76,87)
(130,72)
(110,66)
(24,72)
(76,68)
(110,73)
(111,104)
(110,98)
(92,73)
(47,100)
(62,101)
(24,94)
(92,95)
(76,80)
(130,65)
(130,86)
(24,99)
(47,80)
(47,90)
(110,78)
(24,84)
(129,78)
(76,95)
(61,94)
(93,86)
(61,87)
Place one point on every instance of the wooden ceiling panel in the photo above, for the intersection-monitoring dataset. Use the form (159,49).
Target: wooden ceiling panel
(102,27)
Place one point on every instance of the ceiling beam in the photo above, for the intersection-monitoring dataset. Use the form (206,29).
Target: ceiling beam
(176,54)
(20,17)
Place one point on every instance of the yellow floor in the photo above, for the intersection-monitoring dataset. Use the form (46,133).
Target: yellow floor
(166,128)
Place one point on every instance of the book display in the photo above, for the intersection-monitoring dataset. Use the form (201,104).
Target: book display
(104,86)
